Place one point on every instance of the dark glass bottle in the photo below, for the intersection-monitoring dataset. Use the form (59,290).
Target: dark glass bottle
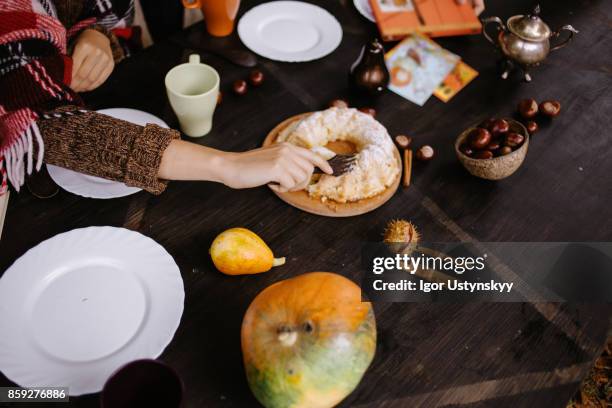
(369,75)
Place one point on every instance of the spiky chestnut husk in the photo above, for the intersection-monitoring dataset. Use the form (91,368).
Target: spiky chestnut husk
(401,231)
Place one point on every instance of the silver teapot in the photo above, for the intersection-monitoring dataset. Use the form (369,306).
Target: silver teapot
(525,40)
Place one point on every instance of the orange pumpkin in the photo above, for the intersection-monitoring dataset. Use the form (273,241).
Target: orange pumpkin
(307,341)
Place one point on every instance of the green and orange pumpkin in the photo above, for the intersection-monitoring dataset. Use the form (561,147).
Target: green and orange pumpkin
(307,341)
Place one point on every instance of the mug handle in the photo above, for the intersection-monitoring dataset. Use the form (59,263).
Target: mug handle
(192,4)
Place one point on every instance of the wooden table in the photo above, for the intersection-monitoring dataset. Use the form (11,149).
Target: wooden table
(471,355)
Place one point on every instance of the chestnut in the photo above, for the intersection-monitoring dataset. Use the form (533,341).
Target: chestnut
(479,138)
(532,126)
(466,149)
(403,141)
(219,98)
(505,150)
(338,103)
(256,77)
(425,153)
(528,108)
(550,108)
(483,154)
(499,127)
(240,87)
(514,139)
(368,111)
(494,145)
(487,123)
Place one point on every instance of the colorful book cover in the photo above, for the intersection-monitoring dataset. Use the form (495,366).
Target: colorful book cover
(436,18)
(395,18)
(459,77)
(417,66)
(441,18)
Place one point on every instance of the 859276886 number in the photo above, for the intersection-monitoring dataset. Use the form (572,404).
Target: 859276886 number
(43,394)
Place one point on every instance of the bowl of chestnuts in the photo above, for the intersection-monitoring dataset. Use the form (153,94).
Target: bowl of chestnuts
(494,149)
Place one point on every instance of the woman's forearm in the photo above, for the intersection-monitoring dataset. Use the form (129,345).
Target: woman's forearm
(288,167)
(188,161)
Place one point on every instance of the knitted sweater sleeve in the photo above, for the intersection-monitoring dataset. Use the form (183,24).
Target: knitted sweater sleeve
(102,146)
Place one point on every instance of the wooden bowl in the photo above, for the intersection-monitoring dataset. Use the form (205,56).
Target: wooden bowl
(499,167)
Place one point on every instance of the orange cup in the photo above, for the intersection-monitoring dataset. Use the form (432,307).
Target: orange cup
(219,15)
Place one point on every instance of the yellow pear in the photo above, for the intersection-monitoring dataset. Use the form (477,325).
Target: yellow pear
(239,251)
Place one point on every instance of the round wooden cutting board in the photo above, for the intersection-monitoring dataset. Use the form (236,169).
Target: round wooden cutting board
(301,199)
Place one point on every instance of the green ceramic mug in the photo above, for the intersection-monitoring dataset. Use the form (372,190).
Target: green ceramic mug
(193,89)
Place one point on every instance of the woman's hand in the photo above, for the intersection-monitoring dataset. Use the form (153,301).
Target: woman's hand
(477,4)
(92,61)
(285,166)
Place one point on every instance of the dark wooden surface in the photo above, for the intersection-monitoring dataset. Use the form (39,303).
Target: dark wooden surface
(469,355)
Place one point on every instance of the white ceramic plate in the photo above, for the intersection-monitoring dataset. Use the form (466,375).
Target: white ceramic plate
(79,305)
(290,31)
(96,187)
(365,9)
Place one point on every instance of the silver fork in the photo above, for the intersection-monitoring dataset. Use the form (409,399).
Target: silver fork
(340,164)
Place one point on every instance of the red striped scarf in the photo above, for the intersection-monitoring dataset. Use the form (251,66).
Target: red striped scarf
(29,84)
(35,74)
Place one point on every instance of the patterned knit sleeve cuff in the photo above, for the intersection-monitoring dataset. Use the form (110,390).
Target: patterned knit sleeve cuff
(145,158)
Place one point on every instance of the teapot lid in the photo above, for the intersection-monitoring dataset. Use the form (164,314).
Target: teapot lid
(529,27)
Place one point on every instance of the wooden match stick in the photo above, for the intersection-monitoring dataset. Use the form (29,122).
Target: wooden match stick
(407,167)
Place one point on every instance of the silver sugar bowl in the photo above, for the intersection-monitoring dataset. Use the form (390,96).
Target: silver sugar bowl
(525,40)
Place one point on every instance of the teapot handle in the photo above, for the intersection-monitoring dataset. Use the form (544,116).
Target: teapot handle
(562,44)
(488,20)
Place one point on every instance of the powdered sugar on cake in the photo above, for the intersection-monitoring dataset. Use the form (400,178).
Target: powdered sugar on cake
(375,168)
